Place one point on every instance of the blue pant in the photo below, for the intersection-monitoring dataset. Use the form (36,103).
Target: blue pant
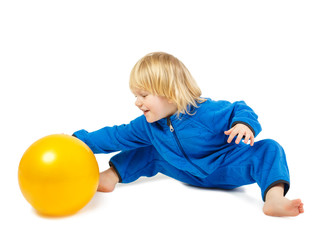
(264,163)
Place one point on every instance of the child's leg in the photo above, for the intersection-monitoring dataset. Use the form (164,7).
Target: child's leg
(133,164)
(108,180)
(278,205)
(264,163)
(128,166)
(125,167)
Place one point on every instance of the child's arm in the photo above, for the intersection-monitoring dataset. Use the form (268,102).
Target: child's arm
(243,123)
(243,114)
(116,138)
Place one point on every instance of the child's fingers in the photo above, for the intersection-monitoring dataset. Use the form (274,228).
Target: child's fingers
(247,138)
(252,140)
(241,132)
(240,136)
(231,136)
(229,131)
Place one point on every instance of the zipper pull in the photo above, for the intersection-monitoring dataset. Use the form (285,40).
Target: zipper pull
(169,124)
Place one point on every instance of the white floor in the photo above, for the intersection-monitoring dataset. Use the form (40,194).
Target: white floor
(161,208)
(64,66)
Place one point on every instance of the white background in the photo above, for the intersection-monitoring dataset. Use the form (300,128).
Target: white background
(65,65)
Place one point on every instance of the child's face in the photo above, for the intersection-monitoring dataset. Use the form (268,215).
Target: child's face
(154,107)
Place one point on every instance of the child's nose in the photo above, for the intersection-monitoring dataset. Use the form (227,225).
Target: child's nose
(138,102)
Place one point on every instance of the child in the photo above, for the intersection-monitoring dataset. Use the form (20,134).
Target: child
(195,140)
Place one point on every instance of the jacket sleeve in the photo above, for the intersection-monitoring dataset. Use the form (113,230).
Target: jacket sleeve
(116,138)
(242,113)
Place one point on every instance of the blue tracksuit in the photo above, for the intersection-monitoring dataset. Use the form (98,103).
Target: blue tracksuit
(193,149)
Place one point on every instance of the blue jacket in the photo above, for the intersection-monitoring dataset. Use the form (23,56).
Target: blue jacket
(193,143)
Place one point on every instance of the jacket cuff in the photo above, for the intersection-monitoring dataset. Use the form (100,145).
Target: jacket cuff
(83,136)
(244,123)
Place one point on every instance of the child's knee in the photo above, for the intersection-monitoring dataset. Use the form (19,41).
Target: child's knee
(271,145)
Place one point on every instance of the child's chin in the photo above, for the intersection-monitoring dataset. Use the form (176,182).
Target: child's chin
(150,120)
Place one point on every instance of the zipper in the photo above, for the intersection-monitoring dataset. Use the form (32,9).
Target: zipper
(180,146)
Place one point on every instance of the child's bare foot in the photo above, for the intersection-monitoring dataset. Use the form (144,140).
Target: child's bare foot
(279,206)
(283,207)
(108,180)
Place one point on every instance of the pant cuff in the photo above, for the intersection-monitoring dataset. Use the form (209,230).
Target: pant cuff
(116,170)
(286,188)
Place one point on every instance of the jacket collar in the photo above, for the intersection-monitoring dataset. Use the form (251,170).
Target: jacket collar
(175,118)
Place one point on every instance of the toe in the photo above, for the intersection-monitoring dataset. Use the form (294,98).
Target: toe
(296,202)
(301,209)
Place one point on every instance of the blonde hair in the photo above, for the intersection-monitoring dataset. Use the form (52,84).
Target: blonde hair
(164,75)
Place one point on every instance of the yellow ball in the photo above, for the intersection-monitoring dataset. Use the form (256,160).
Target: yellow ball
(58,175)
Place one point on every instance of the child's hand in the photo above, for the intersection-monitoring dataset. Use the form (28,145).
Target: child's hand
(242,131)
